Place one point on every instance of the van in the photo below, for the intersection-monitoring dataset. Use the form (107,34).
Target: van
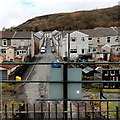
(43,50)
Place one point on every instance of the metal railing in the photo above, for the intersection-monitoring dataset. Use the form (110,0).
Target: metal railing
(88,113)
(80,111)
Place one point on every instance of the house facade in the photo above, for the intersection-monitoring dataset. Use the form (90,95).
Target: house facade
(102,36)
(12,42)
(21,39)
(10,54)
(78,43)
(5,41)
(38,38)
(101,40)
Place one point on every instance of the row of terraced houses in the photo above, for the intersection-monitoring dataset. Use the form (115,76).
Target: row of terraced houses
(99,42)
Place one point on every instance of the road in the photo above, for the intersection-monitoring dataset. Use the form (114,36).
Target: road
(41,73)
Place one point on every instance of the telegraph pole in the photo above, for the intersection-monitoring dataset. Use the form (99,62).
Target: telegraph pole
(68,47)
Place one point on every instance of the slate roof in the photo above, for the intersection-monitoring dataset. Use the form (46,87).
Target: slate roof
(87,70)
(22,35)
(64,33)
(6,34)
(22,48)
(114,45)
(39,34)
(100,32)
(117,29)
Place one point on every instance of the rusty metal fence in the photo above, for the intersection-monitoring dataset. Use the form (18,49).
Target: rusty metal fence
(80,111)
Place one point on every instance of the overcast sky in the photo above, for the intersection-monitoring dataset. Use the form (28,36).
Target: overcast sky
(15,12)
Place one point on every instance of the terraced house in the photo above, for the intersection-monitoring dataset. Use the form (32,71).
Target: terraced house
(16,45)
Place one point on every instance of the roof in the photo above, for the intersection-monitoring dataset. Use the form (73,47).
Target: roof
(6,34)
(64,33)
(2,56)
(99,68)
(117,29)
(100,32)
(87,70)
(11,47)
(22,35)
(39,34)
(114,45)
(22,48)
(7,66)
(54,32)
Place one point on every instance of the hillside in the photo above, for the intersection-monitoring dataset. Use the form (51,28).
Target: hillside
(76,20)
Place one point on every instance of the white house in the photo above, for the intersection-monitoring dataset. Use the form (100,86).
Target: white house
(38,38)
(79,44)
(10,54)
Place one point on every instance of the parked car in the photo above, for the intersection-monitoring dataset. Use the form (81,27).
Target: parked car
(43,50)
(55,65)
(53,50)
(51,43)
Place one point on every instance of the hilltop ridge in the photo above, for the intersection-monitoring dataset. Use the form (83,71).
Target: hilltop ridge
(88,19)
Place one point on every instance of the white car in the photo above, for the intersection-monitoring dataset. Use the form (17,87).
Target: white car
(43,50)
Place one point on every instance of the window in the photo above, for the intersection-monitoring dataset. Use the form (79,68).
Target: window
(89,50)
(89,38)
(73,51)
(118,49)
(83,39)
(4,42)
(83,50)
(98,40)
(94,49)
(17,52)
(117,39)
(108,39)
(3,50)
(24,52)
(73,39)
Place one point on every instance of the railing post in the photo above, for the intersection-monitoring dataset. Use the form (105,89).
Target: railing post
(107,111)
(117,113)
(27,109)
(70,111)
(65,91)
(93,115)
(85,110)
(5,112)
(13,111)
(100,108)
(48,111)
(56,111)
(42,117)
(34,111)
(78,110)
